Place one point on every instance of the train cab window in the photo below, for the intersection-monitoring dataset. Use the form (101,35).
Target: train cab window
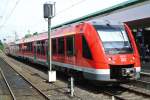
(70,45)
(61,45)
(54,46)
(86,53)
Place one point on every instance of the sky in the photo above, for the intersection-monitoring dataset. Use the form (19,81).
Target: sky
(26,16)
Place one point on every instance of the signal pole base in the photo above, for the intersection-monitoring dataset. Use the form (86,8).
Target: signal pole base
(51,76)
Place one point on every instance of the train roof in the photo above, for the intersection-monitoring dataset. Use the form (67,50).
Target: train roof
(105,22)
(44,35)
(41,36)
(10,44)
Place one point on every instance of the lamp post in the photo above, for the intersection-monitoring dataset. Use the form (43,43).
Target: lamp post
(49,12)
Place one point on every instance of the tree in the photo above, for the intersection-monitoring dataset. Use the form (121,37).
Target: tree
(1,45)
(27,35)
(36,33)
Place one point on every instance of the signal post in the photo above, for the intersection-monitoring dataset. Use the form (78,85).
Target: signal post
(49,12)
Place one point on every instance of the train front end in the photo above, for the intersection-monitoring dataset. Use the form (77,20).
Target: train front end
(120,55)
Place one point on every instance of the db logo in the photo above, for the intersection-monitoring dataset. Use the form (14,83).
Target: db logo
(123,58)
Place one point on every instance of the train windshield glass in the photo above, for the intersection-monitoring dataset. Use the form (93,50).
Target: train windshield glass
(115,39)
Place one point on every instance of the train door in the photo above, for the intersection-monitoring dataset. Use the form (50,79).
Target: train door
(38,50)
(43,53)
(70,49)
(46,51)
(34,50)
(61,49)
(41,50)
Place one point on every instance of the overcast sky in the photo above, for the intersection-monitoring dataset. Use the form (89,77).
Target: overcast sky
(24,16)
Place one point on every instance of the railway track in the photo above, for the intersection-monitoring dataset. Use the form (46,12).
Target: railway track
(15,87)
(125,93)
(117,93)
(8,91)
(136,90)
(145,76)
(143,82)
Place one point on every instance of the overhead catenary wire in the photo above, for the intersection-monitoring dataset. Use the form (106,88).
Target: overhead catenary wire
(4,10)
(71,6)
(17,2)
(68,8)
(9,15)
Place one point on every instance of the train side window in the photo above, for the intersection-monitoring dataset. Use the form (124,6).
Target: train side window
(85,49)
(61,45)
(54,46)
(70,45)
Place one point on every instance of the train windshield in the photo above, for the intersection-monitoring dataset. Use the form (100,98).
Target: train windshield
(115,39)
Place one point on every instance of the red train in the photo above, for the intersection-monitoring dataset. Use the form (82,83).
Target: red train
(100,51)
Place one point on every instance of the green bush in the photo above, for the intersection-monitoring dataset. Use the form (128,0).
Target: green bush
(1,45)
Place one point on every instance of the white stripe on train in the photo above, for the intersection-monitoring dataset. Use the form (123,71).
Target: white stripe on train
(88,70)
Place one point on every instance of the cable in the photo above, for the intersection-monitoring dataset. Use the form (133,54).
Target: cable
(70,7)
(9,15)
(5,3)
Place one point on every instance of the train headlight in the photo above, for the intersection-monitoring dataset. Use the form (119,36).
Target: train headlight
(132,59)
(123,72)
(110,59)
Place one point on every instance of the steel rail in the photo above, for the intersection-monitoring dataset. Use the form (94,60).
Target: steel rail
(114,97)
(121,97)
(145,78)
(9,88)
(143,81)
(145,73)
(135,91)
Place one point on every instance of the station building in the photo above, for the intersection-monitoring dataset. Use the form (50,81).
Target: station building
(135,13)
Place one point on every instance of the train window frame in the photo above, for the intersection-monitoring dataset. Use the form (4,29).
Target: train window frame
(70,45)
(86,52)
(61,48)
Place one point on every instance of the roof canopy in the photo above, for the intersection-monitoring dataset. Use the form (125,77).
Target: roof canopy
(104,11)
